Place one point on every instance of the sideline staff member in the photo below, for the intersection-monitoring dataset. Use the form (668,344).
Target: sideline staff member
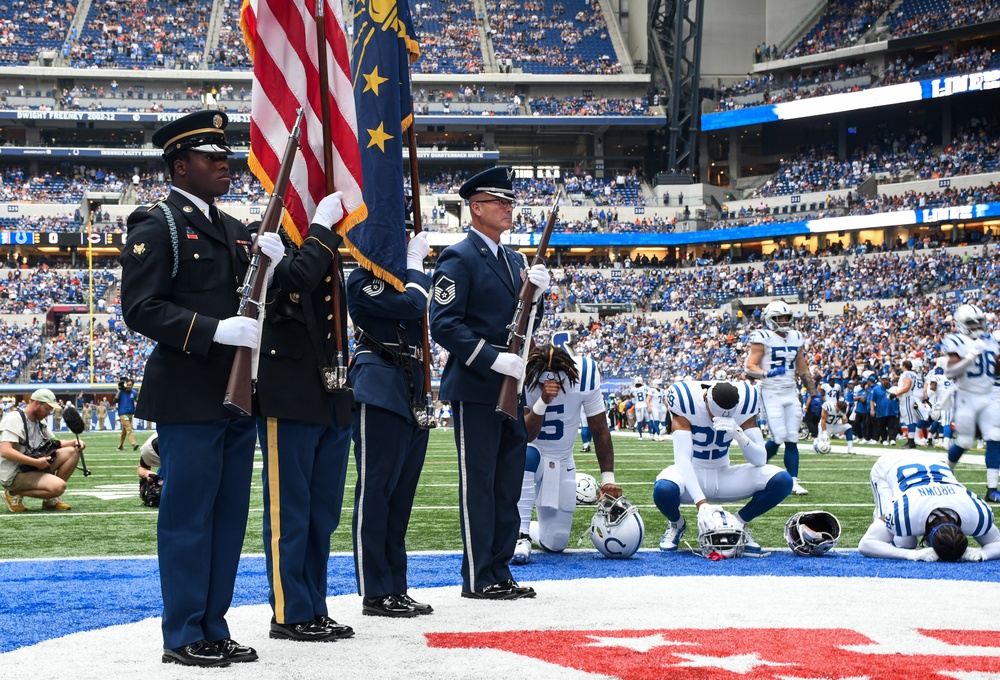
(476,285)
(126,411)
(20,474)
(181,266)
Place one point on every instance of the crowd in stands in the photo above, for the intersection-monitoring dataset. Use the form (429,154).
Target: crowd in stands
(34,291)
(449,37)
(914,17)
(27,26)
(972,151)
(66,357)
(588,106)
(842,25)
(231,53)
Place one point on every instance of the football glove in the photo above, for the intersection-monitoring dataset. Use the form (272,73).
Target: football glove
(976,348)
(775,372)
(923,555)
(726,424)
(973,555)
(705,520)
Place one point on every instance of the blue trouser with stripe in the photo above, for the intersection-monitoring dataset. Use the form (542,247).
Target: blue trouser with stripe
(305,466)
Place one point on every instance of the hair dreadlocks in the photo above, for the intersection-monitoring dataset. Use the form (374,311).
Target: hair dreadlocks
(549,358)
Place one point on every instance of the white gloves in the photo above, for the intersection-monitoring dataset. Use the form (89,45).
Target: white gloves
(824,436)
(705,520)
(725,424)
(539,276)
(416,251)
(973,555)
(237,330)
(330,210)
(894,390)
(923,555)
(976,348)
(509,364)
(271,246)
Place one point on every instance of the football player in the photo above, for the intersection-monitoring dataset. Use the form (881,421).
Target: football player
(707,418)
(917,495)
(640,395)
(908,390)
(659,410)
(776,357)
(654,404)
(834,422)
(973,363)
(558,386)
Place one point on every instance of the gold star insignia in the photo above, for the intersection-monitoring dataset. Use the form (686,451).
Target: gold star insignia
(373,80)
(378,136)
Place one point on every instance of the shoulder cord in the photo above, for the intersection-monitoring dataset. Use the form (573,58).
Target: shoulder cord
(172,225)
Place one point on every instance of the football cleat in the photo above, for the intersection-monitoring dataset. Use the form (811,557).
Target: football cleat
(55,504)
(14,503)
(522,550)
(750,546)
(672,536)
(798,489)
(993,496)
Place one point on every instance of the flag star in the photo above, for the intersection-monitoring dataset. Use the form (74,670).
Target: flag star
(373,80)
(737,663)
(378,136)
(638,644)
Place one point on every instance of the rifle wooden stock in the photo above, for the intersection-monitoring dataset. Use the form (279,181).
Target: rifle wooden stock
(507,402)
(239,389)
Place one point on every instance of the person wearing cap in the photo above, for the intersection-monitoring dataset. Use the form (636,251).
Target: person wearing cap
(391,427)
(885,411)
(45,477)
(126,410)
(182,263)
(304,429)
(476,285)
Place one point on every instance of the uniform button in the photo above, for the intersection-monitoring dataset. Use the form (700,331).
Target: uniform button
(329,317)
(197,256)
(327,279)
(274,351)
(327,298)
(329,335)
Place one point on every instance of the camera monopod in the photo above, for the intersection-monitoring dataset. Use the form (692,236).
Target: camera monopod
(75,424)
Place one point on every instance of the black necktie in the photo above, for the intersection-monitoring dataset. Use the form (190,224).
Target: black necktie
(213,213)
(502,256)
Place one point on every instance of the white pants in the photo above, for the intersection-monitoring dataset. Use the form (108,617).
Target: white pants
(784,414)
(975,410)
(725,484)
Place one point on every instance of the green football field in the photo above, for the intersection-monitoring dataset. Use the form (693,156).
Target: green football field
(109,519)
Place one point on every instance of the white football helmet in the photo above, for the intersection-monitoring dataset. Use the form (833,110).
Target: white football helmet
(723,535)
(720,375)
(637,381)
(821,445)
(778,316)
(813,533)
(970,320)
(617,530)
(587,490)
(918,364)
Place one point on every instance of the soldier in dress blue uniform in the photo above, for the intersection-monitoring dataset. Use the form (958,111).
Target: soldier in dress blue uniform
(390,427)
(476,285)
(304,429)
(181,266)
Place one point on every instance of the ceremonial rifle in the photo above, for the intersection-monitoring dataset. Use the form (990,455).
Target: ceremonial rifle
(520,325)
(242,375)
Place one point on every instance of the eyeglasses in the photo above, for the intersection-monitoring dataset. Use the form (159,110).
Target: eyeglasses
(504,202)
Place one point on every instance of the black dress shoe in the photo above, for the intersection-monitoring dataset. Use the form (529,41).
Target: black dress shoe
(517,591)
(418,607)
(497,591)
(234,651)
(387,605)
(307,631)
(338,630)
(201,653)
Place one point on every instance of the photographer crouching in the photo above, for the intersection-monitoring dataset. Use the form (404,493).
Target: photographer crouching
(32,462)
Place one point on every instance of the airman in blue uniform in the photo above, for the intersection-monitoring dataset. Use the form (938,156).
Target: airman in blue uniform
(476,285)
(390,428)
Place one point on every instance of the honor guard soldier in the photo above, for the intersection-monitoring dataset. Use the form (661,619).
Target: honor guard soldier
(181,267)
(390,427)
(304,428)
(476,285)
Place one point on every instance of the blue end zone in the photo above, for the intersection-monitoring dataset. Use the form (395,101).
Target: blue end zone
(46,599)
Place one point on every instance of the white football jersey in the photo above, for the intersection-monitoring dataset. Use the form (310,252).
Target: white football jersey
(916,391)
(830,412)
(980,377)
(945,385)
(830,392)
(655,398)
(562,416)
(920,483)
(778,351)
(641,395)
(710,448)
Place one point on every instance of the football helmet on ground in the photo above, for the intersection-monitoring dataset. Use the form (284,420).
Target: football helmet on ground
(970,320)
(778,316)
(813,533)
(720,534)
(587,489)
(617,530)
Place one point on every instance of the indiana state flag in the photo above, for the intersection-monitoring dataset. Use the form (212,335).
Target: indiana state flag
(384,48)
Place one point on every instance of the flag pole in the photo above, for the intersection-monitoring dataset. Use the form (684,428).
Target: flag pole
(324,99)
(418,226)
